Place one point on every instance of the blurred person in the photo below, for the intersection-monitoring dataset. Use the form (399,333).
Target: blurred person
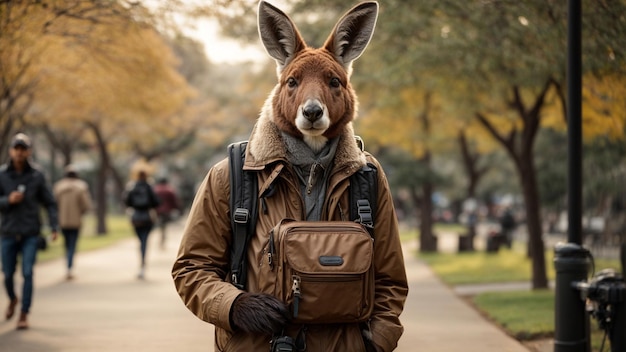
(23,190)
(507,226)
(73,199)
(169,205)
(142,199)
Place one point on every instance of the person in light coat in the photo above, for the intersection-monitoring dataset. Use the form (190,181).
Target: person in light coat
(73,199)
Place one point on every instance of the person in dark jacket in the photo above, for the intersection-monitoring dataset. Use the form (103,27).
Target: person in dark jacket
(23,189)
(142,199)
(508,224)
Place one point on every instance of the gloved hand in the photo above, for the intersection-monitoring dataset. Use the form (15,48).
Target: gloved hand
(258,313)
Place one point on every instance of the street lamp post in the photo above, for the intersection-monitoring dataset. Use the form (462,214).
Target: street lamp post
(571,260)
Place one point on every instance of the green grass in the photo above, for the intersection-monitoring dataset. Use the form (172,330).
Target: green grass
(118,227)
(504,266)
(478,267)
(525,315)
(411,235)
(536,319)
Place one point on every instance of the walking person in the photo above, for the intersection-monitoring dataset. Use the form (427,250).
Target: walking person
(23,190)
(507,225)
(74,200)
(169,204)
(142,199)
(292,242)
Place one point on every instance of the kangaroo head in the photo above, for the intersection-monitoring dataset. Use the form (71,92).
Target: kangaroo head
(313,99)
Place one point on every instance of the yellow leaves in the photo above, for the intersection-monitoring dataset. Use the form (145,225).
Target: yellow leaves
(103,68)
(401,124)
(552,113)
(604,106)
(415,122)
(479,138)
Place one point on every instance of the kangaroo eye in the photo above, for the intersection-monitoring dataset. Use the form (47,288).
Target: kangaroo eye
(335,82)
(291,82)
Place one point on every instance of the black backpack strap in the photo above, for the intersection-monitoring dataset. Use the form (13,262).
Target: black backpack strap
(243,208)
(364,196)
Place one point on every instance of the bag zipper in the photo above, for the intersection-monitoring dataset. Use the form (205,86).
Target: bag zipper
(343,227)
(329,277)
(295,288)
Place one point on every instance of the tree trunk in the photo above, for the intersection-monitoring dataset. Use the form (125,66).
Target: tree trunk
(101,200)
(532,206)
(428,241)
(101,181)
(519,145)
(474,174)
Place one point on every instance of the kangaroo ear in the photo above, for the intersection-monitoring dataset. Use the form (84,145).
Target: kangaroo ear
(352,33)
(279,34)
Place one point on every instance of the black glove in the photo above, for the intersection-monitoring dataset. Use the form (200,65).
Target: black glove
(258,313)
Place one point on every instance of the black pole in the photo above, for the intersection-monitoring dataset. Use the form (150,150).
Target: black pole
(574,125)
(571,322)
(571,260)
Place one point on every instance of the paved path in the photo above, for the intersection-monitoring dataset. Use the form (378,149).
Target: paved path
(107,309)
(437,320)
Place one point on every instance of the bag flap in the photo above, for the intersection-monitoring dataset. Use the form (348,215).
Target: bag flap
(333,247)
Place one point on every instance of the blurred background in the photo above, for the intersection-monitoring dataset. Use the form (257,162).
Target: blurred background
(463,102)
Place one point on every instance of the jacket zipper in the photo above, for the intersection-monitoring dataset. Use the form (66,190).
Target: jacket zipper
(271,251)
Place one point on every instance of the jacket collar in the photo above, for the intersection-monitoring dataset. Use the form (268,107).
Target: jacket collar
(27,166)
(266,146)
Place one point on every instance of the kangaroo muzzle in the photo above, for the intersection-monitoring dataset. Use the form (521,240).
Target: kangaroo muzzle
(312,111)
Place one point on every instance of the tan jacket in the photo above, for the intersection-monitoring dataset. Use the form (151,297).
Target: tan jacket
(72,195)
(200,271)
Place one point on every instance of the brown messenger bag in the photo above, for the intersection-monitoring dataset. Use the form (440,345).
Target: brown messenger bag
(323,270)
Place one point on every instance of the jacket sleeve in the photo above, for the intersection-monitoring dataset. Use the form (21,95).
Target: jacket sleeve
(390,278)
(202,263)
(4,198)
(4,190)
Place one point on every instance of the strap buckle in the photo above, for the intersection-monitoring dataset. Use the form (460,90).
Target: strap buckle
(241,216)
(364,210)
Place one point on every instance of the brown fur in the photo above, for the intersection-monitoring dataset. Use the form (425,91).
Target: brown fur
(313,99)
(313,69)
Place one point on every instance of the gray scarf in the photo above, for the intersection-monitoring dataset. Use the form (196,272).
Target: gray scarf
(312,170)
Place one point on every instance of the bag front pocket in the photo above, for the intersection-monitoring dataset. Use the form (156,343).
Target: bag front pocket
(328,276)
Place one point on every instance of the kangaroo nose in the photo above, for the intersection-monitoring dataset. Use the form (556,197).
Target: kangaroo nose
(312,112)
